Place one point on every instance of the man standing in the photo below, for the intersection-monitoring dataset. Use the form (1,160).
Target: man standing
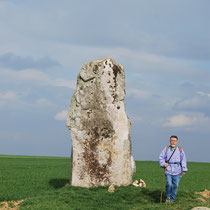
(174,160)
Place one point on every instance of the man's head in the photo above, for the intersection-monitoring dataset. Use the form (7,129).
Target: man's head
(173,141)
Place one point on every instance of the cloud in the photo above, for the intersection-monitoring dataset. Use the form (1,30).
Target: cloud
(134,61)
(7,96)
(5,4)
(198,102)
(43,101)
(188,120)
(32,75)
(194,102)
(203,94)
(28,74)
(40,37)
(135,118)
(133,32)
(64,83)
(13,136)
(138,94)
(61,115)
(12,61)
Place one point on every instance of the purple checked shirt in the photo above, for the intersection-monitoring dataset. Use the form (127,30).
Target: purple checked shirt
(177,163)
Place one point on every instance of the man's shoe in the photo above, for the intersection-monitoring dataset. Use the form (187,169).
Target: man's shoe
(168,200)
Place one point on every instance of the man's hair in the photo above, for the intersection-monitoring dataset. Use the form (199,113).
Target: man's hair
(174,137)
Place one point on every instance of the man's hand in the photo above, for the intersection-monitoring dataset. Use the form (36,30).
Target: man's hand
(166,165)
(183,174)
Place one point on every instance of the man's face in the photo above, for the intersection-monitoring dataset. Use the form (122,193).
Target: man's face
(173,142)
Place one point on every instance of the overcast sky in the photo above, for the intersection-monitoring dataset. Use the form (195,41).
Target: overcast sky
(164,47)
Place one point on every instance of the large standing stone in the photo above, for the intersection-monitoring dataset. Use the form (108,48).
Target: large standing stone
(100,128)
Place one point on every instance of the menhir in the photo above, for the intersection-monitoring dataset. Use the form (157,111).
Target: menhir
(100,128)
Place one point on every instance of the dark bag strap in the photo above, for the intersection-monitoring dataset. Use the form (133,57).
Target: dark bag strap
(171,156)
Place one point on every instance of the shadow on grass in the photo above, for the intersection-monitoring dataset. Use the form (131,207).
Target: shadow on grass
(58,183)
(153,196)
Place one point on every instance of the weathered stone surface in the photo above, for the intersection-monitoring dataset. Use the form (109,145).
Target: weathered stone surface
(111,188)
(136,183)
(139,183)
(100,128)
(142,183)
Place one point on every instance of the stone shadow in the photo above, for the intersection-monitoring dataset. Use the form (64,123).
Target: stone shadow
(58,183)
(153,196)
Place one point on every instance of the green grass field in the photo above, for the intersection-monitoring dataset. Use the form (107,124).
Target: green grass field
(43,184)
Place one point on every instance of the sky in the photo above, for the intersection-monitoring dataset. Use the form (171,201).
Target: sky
(164,47)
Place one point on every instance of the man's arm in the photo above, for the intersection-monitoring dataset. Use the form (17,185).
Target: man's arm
(162,158)
(183,162)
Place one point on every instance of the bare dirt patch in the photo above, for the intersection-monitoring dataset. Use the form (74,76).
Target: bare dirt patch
(205,196)
(10,205)
(201,199)
(205,193)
